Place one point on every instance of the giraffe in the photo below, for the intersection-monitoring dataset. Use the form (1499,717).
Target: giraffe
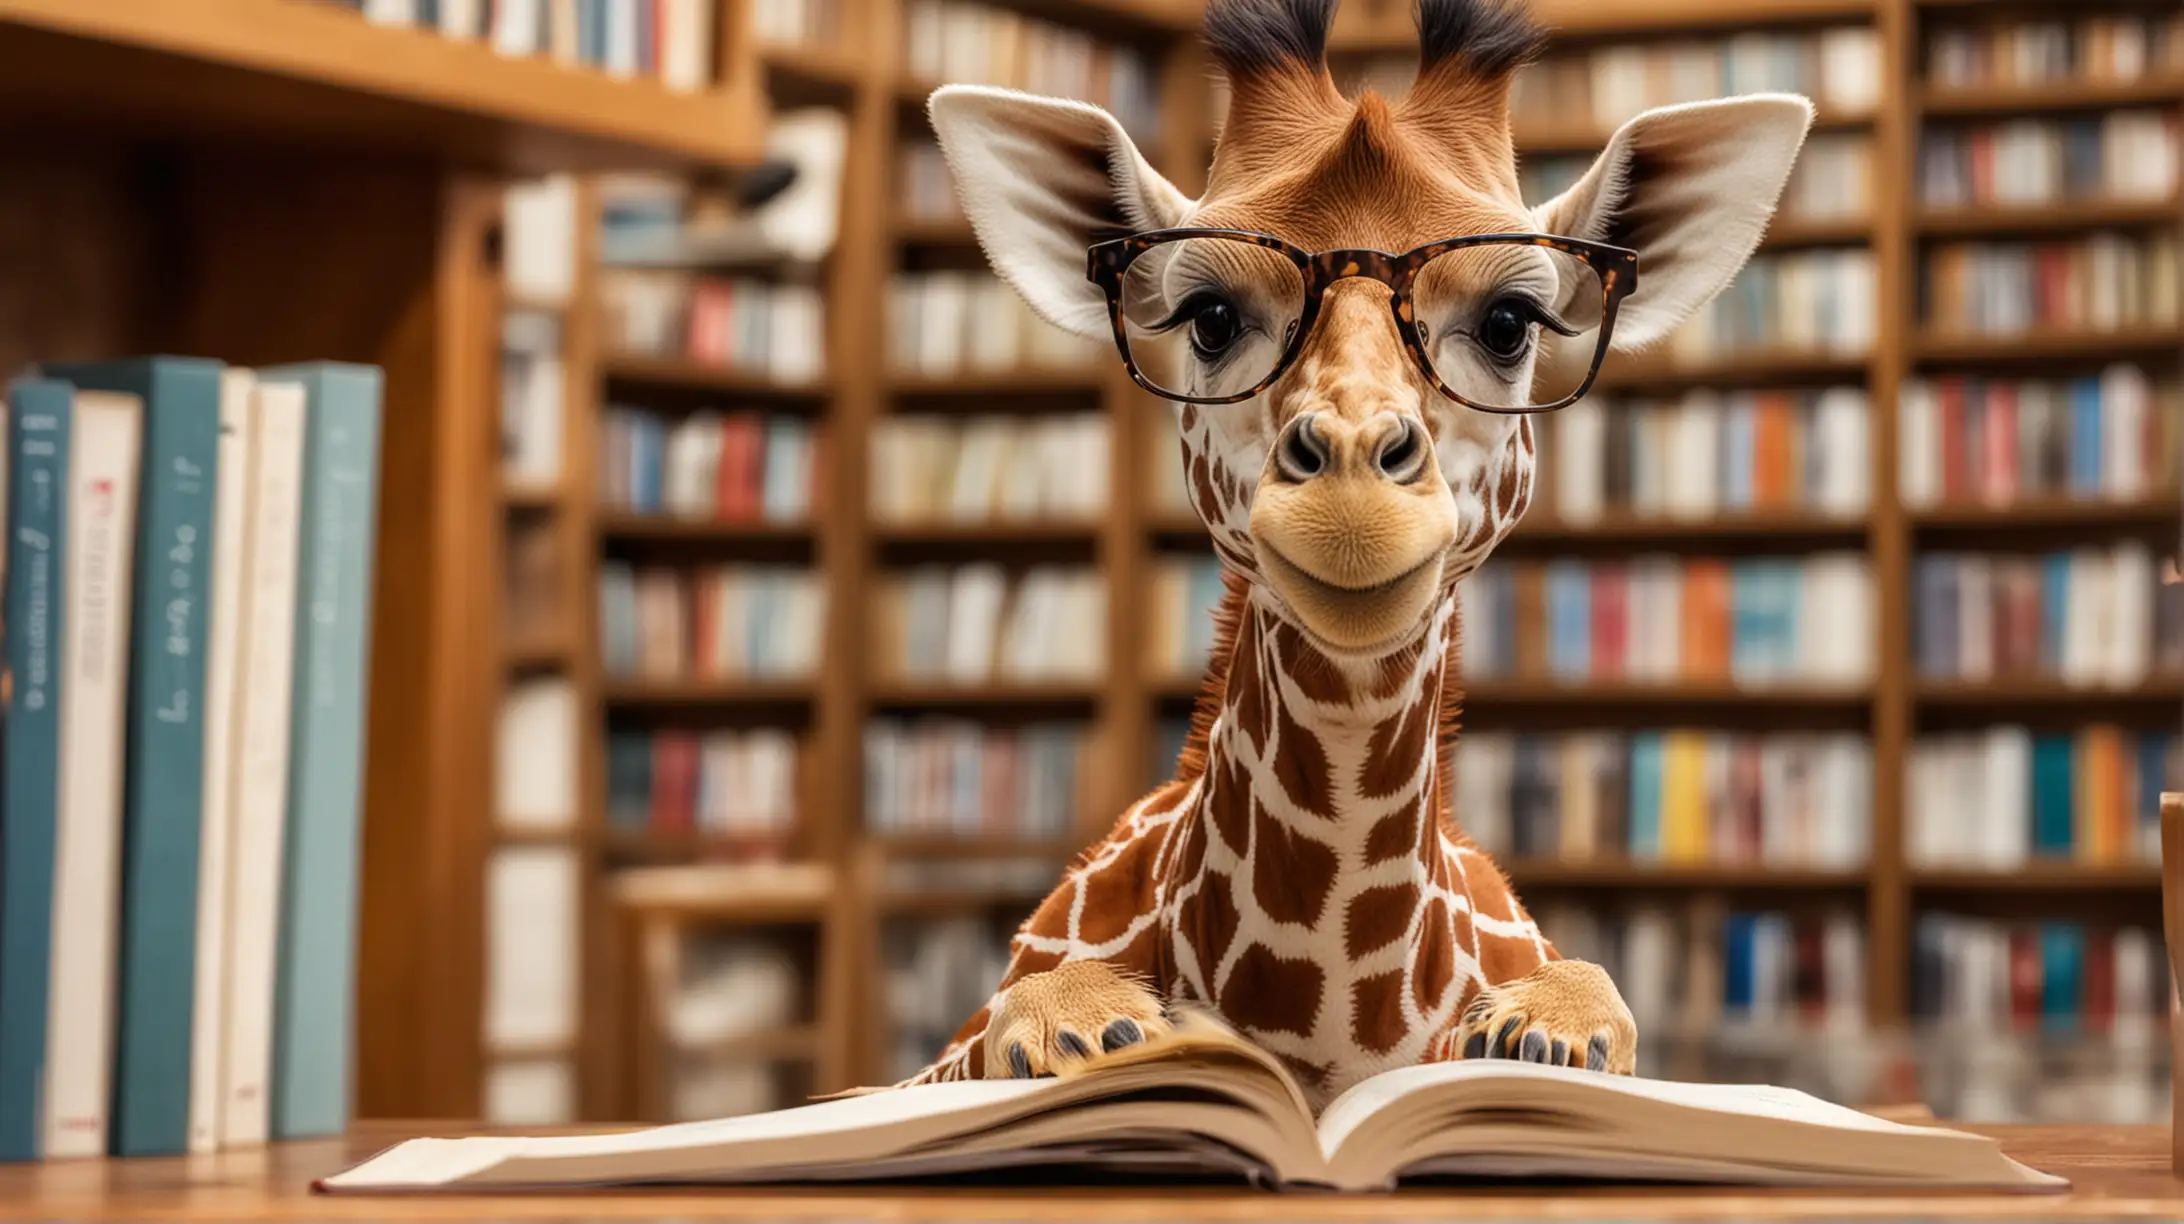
(1302,875)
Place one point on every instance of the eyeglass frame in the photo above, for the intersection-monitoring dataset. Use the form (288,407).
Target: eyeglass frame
(1617,268)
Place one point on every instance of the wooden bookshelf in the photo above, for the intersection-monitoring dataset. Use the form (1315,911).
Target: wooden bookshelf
(2057,97)
(2061,218)
(676,372)
(657,527)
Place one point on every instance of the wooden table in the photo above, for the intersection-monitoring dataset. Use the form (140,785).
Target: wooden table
(2116,1171)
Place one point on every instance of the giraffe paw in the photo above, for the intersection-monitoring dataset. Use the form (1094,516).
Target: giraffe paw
(1070,1014)
(1566,1013)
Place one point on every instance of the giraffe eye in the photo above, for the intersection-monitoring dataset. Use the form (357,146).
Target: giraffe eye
(1214,325)
(1505,330)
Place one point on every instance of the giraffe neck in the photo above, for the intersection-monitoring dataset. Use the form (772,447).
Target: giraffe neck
(1320,806)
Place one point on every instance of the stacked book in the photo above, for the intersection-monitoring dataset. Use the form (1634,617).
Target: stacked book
(1677,797)
(2122,155)
(187,611)
(942,324)
(753,622)
(2097,283)
(2113,436)
(1838,68)
(948,469)
(1178,618)
(1977,975)
(738,467)
(531,383)
(2089,617)
(535,756)
(972,624)
(732,784)
(2013,49)
(937,973)
(667,40)
(1803,301)
(772,329)
(2001,797)
(965,42)
(1661,619)
(924,188)
(792,23)
(1705,454)
(959,778)
(1832,181)
(661,220)
(534,932)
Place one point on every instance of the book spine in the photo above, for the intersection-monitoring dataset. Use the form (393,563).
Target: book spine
(40,420)
(223,665)
(326,778)
(260,780)
(102,485)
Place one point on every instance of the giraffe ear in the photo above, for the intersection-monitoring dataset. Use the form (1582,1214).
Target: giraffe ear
(1041,180)
(1690,188)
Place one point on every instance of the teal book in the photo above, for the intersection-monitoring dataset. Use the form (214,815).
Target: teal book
(39,415)
(1645,795)
(2053,791)
(164,790)
(2062,975)
(315,987)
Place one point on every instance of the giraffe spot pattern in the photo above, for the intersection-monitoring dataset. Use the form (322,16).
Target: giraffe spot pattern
(1392,752)
(1210,920)
(1392,837)
(1377,916)
(1300,766)
(1292,874)
(1273,994)
(1376,1012)
(1310,1074)
(1314,674)
(1435,962)
(1229,806)
(1117,893)
(1253,717)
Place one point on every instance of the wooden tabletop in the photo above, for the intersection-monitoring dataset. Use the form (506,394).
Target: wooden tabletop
(2115,1171)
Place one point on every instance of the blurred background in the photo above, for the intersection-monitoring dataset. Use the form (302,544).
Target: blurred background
(817,603)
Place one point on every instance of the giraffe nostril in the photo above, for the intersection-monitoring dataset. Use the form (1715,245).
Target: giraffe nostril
(1402,456)
(1301,453)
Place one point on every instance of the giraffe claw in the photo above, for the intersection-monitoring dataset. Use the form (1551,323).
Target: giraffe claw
(1564,1014)
(1041,1024)
(1533,1048)
(1019,1062)
(1119,1033)
(1072,1045)
(1504,1043)
(1596,1053)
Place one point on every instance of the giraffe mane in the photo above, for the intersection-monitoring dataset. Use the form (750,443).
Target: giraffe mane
(1228,615)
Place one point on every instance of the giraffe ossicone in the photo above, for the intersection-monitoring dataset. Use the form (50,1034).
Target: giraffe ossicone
(1302,874)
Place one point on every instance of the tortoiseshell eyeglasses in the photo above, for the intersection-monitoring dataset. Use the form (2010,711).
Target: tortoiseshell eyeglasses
(1510,323)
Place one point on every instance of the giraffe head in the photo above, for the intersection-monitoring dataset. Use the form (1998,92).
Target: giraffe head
(1347,484)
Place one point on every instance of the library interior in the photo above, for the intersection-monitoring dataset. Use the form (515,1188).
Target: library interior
(696,610)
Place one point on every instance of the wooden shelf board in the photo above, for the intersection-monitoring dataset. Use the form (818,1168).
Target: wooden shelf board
(1536,138)
(952,233)
(320,75)
(2047,344)
(505,834)
(529,1049)
(620,525)
(1757,367)
(1713,693)
(641,692)
(531,497)
(2009,692)
(1622,526)
(1065,380)
(2070,95)
(749,845)
(538,654)
(937,902)
(2037,876)
(945,845)
(1389,29)
(751,893)
(2062,216)
(1176,688)
(1786,232)
(943,696)
(777,1044)
(681,372)
(826,67)
(1057,531)
(2050,512)
(1629,873)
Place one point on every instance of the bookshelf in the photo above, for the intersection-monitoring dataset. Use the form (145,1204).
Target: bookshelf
(1124,707)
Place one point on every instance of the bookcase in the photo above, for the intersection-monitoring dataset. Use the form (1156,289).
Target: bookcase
(1866,221)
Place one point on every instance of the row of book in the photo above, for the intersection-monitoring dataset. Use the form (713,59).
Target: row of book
(1659,619)
(531,385)
(533,919)
(2013,50)
(1976,974)
(2087,616)
(187,611)
(947,776)
(776,330)
(668,220)
(941,324)
(2101,281)
(971,624)
(1818,301)
(667,40)
(967,42)
(1674,797)
(1701,970)
(2003,796)
(734,784)
(737,467)
(1832,181)
(937,973)
(925,190)
(756,622)
(793,23)
(1178,615)
(2122,155)
(2111,436)
(1838,68)
(930,469)
(1707,453)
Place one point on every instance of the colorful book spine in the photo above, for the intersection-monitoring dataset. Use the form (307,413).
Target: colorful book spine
(40,417)
(165,772)
(314,997)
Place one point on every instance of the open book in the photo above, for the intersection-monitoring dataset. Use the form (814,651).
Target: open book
(1204,1101)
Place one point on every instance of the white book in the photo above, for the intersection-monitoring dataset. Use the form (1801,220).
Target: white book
(2125,397)
(531,957)
(2086,618)
(516,26)
(260,781)
(1693,457)
(801,222)
(686,40)
(2131,594)
(2004,812)
(1919,428)
(1581,437)
(974,618)
(391,12)
(102,487)
(1841,420)
(535,755)
(460,18)
(1975,617)
(223,658)
(619,56)
(538,226)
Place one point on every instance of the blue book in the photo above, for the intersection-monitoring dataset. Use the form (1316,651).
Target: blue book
(1748,618)
(2153,778)
(164,787)
(2053,789)
(2054,600)
(2062,975)
(1645,795)
(1937,615)
(1737,448)
(39,417)
(2085,437)
(1739,937)
(317,961)
(1569,619)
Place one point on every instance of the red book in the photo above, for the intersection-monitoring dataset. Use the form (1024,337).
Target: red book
(705,627)
(1950,396)
(1809,980)
(1610,622)
(2051,290)
(674,782)
(742,460)
(1744,806)
(1998,467)
(1980,148)
(819,452)
(2024,979)
(2100,980)
(711,325)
